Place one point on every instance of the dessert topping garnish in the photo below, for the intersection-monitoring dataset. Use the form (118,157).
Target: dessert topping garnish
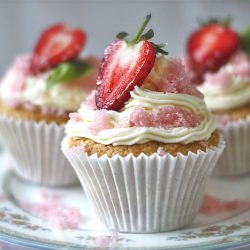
(56,44)
(125,65)
(211,45)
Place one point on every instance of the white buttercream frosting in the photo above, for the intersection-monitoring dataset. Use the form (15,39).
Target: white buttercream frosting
(19,86)
(146,99)
(230,86)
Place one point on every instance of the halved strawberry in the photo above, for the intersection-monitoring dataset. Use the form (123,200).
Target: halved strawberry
(124,66)
(210,46)
(57,44)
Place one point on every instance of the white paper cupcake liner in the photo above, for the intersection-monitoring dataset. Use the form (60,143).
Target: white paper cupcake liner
(36,150)
(145,194)
(235,160)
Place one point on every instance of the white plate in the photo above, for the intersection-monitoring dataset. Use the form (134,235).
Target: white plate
(221,231)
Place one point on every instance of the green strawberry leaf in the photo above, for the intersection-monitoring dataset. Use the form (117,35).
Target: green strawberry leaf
(68,71)
(121,35)
(245,40)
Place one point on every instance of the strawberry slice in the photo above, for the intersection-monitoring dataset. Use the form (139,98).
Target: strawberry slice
(211,46)
(125,65)
(57,44)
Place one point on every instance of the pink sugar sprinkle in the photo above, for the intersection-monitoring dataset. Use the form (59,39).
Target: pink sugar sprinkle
(12,102)
(123,123)
(176,80)
(20,69)
(220,79)
(74,117)
(49,196)
(60,113)
(212,206)
(161,151)
(52,111)
(167,117)
(204,144)
(89,102)
(79,150)
(18,84)
(224,119)
(28,106)
(101,121)
(107,241)
(22,64)
(58,215)
(239,67)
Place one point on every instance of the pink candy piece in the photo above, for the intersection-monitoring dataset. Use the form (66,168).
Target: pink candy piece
(212,206)
(224,119)
(79,149)
(90,101)
(101,121)
(22,64)
(20,69)
(239,67)
(107,241)
(161,151)
(167,117)
(58,215)
(176,80)
(74,117)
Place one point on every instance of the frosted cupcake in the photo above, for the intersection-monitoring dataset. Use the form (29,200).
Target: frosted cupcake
(37,94)
(143,144)
(226,86)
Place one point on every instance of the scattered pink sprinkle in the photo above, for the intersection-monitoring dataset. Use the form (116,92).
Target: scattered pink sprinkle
(58,215)
(60,113)
(49,196)
(89,102)
(123,123)
(52,111)
(79,149)
(212,206)
(74,117)
(28,106)
(18,84)
(161,151)
(176,80)
(220,79)
(20,69)
(101,121)
(22,64)
(12,102)
(204,144)
(240,67)
(107,241)
(167,117)
(224,119)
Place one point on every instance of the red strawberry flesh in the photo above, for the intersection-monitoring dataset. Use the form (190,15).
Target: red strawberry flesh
(56,44)
(124,66)
(211,46)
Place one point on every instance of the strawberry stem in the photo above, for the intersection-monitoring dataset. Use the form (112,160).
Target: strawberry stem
(140,30)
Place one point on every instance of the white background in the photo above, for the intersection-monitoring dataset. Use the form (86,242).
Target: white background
(21,21)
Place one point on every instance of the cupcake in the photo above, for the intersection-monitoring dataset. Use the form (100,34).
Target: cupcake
(223,66)
(143,143)
(37,94)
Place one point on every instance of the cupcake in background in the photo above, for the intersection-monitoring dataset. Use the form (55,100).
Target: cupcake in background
(218,58)
(37,93)
(143,144)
